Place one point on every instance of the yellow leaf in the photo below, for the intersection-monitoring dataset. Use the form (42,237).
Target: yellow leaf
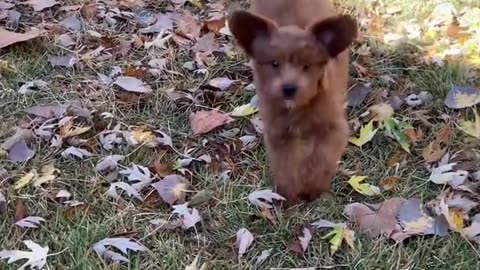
(244,110)
(69,130)
(366,134)
(141,136)
(381,112)
(349,237)
(466,100)
(362,188)
(196,3)
(26,179)
(336,238)
(456,216)
(46,175)
(471,128)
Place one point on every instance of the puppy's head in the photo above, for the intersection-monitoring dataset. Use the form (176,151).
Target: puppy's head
(290,62)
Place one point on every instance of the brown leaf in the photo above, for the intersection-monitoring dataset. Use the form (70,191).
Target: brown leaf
(137,72)
(391,182)
(8,38)
(433,152)
(414,135)
(188,26)
(163,169)
(152,201)
(205,121)
(20,211)
(206,44)
(398,157)
(215,24)
(268,215)
(89,11)
(77,210)
(443,135)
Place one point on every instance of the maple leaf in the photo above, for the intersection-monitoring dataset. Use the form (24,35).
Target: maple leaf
(363,188)
(122,244)
(36,258)
(190,216)
(471,128)
(445,174)
(366,134)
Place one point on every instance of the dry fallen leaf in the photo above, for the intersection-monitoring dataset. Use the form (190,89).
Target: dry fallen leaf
(300,245)
(8,38)
(122,244)
(190,216)
(39,5)
(244,240)
(376,219)
(366,134)
(391,182)
(36,258)
(205,121)
(264,198)
(172,189)
(132,84)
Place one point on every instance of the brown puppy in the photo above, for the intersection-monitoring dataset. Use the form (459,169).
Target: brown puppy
(300,58)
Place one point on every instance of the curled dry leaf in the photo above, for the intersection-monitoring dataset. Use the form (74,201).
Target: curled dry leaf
(112,191)
(76,152)
(30,222)
(3,204)
(301,244)
(172,189)
(264,198)
(32,87)
(244,240)
(122,244)
(205,121)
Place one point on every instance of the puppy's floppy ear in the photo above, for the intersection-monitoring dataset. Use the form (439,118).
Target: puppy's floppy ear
(247,28)
(335,34)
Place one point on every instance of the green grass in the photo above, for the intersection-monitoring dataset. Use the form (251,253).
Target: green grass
(229,210)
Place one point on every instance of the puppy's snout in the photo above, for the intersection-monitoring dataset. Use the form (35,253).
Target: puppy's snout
(289,90)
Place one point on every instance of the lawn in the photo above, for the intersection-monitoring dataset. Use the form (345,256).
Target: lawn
(406,47)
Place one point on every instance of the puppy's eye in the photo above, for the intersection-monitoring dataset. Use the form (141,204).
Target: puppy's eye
(275,64)
(306,67)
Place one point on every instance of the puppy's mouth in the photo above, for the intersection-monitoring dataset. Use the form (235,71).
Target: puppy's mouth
(290,104)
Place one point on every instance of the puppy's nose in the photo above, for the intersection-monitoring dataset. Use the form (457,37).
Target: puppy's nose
(289,90)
